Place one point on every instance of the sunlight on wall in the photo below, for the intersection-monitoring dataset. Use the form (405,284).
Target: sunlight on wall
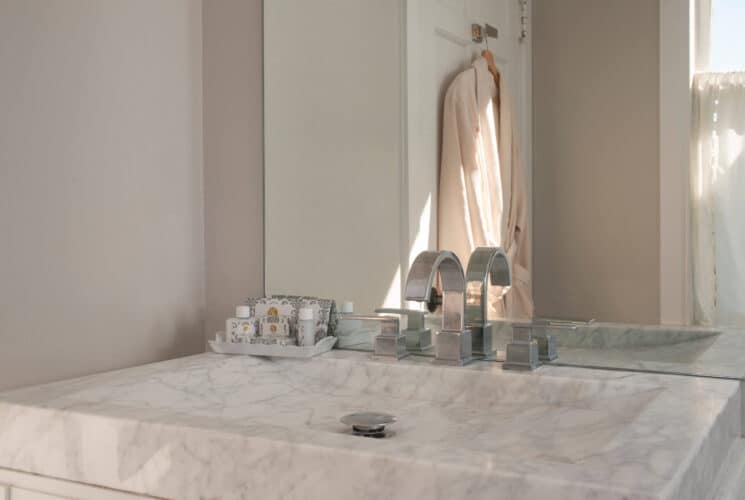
(393,297)
(421,240)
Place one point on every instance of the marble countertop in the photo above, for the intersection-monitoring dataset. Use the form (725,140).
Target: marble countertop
(215,426)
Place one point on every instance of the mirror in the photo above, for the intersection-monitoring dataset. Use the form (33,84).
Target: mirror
(334,149)
(351,152)
(371,156)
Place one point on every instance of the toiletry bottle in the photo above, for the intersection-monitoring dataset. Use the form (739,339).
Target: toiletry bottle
(347,307)
(242,328)
(353,332)
(306,327)
(346,326)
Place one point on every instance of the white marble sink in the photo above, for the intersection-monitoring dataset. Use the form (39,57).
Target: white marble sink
(214,426)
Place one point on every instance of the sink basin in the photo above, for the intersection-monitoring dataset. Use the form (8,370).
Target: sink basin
(504,417)
(214,425)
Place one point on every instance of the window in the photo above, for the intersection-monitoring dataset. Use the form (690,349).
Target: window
(718,171)
(727,49)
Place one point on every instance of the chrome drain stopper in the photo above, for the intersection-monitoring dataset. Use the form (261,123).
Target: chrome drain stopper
(368,423)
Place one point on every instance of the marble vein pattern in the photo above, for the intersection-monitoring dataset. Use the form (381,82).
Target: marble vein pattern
(233,427)
(731,479)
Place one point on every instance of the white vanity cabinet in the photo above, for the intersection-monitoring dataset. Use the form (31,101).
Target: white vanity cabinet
(21,494)
(21,486)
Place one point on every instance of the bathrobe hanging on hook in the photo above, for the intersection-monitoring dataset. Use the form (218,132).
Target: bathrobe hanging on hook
(482,193)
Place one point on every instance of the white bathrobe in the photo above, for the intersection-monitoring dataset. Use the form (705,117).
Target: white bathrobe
(482,193)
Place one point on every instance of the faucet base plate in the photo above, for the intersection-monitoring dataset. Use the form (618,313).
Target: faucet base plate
(390,347)
(418,340)
(452,362)
(483,340)
(522,355)
(453,348)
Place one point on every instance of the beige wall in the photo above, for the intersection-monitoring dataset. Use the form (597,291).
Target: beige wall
(596,159)
(232,155)
(101,213)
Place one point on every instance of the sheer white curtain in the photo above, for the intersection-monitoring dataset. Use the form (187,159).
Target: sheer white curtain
(718,199)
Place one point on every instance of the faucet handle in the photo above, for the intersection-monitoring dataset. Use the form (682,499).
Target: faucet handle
(435,300)
(414,318)
(546,345)
(390,343)
(522,352)
(522,332)
(547,350)
(418,337)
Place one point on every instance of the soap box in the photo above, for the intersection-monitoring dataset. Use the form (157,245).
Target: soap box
(274,309)
(272,327)
(240,329)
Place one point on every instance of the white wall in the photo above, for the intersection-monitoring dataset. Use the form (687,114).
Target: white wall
(596,159)
(333,149)
(680,52)
(233,160)
(101,213)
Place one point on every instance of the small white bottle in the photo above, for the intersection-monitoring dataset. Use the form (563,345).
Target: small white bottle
(242,328)
(351,332)
(306,327)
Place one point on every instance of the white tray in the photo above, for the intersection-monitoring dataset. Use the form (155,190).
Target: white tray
(281,351)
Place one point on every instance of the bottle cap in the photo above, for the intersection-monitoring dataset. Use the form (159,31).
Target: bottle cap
(243,311)
(305,313)
(347,307)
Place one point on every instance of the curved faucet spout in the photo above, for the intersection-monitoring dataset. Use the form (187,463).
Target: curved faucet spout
(485,263)
(421,279)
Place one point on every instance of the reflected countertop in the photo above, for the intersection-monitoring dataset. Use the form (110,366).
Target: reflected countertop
(706,352)
(664,349)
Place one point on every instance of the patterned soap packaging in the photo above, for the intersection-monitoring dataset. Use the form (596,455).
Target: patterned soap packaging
(241,328)
(275,330)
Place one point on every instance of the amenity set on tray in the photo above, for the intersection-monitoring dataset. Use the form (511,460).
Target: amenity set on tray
(279,325)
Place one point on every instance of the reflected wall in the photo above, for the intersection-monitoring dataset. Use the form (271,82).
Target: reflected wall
(333,149)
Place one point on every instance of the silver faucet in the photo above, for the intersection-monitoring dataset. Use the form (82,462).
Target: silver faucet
(485,262)
(453,342)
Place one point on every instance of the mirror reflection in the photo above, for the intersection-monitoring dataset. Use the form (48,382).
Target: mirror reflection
(590,155)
